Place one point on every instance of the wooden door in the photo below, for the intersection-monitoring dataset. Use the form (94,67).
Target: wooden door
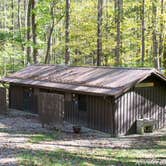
(16,97)
(51,108)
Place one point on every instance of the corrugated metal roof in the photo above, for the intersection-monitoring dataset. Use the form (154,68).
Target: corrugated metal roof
(99,80)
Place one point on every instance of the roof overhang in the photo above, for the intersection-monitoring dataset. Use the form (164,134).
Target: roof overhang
(63,87)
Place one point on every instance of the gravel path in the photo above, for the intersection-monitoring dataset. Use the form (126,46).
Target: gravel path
(17,128)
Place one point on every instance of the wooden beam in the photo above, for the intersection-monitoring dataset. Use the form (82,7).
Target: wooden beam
(143,85)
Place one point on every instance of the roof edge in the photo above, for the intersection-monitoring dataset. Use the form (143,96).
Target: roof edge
(103,67)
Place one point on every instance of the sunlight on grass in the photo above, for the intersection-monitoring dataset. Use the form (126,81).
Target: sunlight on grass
(37,138)
(56,158)
(149,156)
(100,157)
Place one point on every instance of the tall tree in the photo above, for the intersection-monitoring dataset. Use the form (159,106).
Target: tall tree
(29,31)
(118,19)
(12,15)
(19,22)
(99,32)
(19,15)
(47,57)
(143,32)
(5,15)
(106,55)
(161,31)
(155,42)
(25,13)
(164,55)
(67,33)
(34,32)
(55,19)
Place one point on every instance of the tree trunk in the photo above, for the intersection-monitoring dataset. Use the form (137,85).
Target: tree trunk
(34,33)
(161,32)
(25,16)
(5,15)
(67,33)
(29,31)
(118,19)
(138,49)
(107,31)
(47,57)
(19,15)
(19,23)
(143,31)
(164,55)
(99,32)
(12,6)
(155,42)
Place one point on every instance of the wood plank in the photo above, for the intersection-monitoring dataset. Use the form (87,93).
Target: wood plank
(3,104)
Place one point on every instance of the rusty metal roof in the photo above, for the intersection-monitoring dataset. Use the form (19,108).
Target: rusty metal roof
(98,80)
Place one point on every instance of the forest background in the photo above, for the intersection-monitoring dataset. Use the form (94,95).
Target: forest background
(125,33)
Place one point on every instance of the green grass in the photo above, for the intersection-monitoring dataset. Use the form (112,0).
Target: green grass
(98,157)
(37,138)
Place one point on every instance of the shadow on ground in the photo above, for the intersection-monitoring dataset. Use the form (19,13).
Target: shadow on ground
(23,137)
(62,157)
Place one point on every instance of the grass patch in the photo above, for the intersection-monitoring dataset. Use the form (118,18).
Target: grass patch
(142,156)
(61,158)
(97,158)
(37,138)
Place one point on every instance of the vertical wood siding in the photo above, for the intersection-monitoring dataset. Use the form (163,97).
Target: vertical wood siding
(149,102)
(71,113)
(99,114)
(16,97)
(3,106)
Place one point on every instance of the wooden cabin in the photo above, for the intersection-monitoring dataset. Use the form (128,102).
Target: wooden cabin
(102,98)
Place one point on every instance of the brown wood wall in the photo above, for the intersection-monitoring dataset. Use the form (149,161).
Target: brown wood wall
(149,102)
(99,114)
(106,114)
(16,97)
(3,106)
(71,113)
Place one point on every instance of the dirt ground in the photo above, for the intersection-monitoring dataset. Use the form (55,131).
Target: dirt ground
(17,128)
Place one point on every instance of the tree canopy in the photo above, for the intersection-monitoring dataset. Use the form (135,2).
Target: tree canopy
(129,33)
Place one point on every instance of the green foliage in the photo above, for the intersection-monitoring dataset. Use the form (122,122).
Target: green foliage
(83,33)
(5,36)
